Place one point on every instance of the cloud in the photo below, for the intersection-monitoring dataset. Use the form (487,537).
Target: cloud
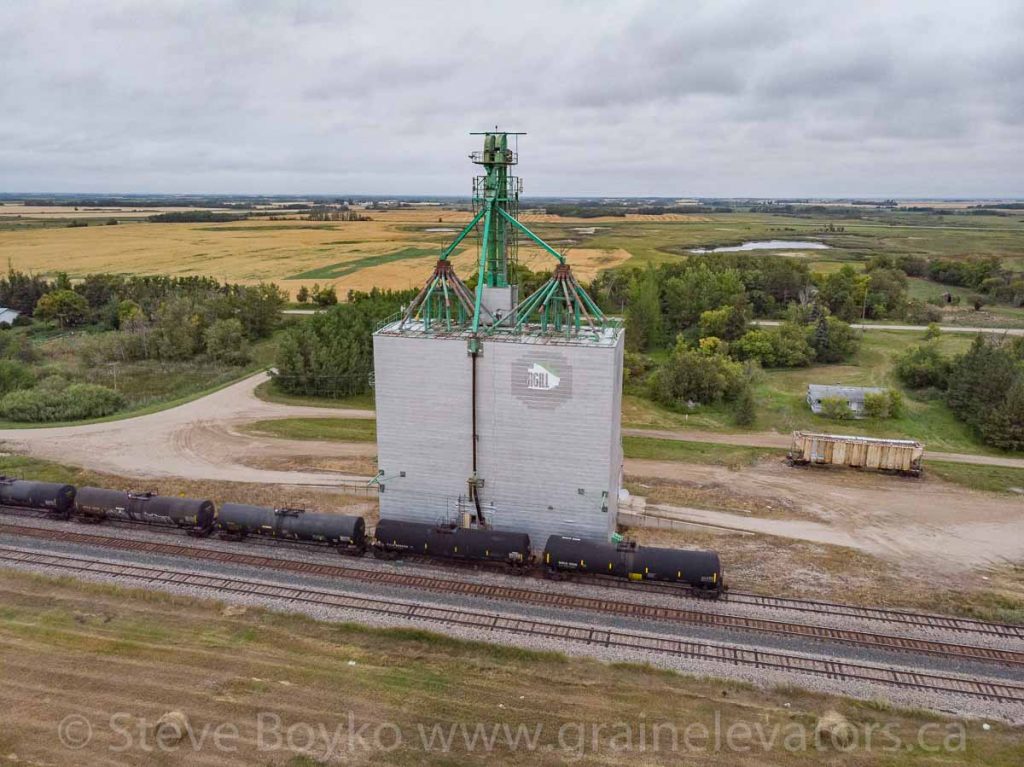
(714,98)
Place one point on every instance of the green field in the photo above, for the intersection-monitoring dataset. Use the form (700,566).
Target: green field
(335,271)
(268,392)
(647,448)
(340,429)
(893,233)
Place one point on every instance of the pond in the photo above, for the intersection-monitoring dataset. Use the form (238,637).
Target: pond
(765,245)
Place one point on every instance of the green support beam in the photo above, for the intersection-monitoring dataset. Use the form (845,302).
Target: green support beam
(535,238)
(488,212)
(462,235)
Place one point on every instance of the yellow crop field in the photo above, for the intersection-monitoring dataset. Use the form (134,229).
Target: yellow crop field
(394,250)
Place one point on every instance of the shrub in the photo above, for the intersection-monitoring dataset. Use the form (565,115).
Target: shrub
(67,307)
(1003,427)
(746,408)
(876,405)
(755,345)
(331,354)
(783,347)
(836,408)
(225,342)
(833,340)
(636,368)
(56,400)
(920,313)
(895,402)
(326,296)
(691,375)
(792,349)
(643,315)
(923,366)
(726,322)
(302,296)
(14,375)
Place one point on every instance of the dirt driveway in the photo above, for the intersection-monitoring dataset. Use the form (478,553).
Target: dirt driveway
(198,440)
(896,518)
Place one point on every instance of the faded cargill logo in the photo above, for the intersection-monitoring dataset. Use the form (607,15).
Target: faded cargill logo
(540,378)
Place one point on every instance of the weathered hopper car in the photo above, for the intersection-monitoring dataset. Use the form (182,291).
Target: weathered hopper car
(896,455)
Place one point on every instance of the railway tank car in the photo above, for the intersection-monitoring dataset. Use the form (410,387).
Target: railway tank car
(96,504)
(346,533)
(701,570)
(393,538)
(49,496)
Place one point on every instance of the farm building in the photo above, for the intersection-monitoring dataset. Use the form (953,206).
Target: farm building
(8,316)
(854,396)
(495,409)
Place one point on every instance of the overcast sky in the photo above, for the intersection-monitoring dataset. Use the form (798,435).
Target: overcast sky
(676,98)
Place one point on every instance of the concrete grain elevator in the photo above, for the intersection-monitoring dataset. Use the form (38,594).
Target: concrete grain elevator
(494,408)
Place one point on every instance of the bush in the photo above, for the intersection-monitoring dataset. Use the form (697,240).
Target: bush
(836,408)
(67,307)
(725,322)
(746,408)
(55,400)
(225,342)
(1004,425)
(14,375)
(923,366)
(636,368)
(883,404)
(920,313)
(326,296)
(691,375)
(833,340)
(643,315)
(785,346)
(331,354)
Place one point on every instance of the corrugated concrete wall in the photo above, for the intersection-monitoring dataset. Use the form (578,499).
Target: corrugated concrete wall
(549,449)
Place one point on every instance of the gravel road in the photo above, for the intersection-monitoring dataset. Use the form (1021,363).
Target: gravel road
(198,439)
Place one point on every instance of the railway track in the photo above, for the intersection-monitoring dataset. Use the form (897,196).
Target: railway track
(994,690)
(792,604)
(875,614)
(521,595)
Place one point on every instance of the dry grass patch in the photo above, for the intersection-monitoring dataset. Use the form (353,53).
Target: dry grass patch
(142,654)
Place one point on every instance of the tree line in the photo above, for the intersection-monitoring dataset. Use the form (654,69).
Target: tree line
(984,386)
(331,354)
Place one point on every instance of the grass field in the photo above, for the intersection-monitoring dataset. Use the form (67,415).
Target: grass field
(268,392)
(341,429)
(146,653)
(782,407)
(345,268)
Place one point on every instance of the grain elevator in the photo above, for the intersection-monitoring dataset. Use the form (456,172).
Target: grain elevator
(494,408)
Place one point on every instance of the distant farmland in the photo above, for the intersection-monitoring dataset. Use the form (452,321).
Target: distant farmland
(394,250)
